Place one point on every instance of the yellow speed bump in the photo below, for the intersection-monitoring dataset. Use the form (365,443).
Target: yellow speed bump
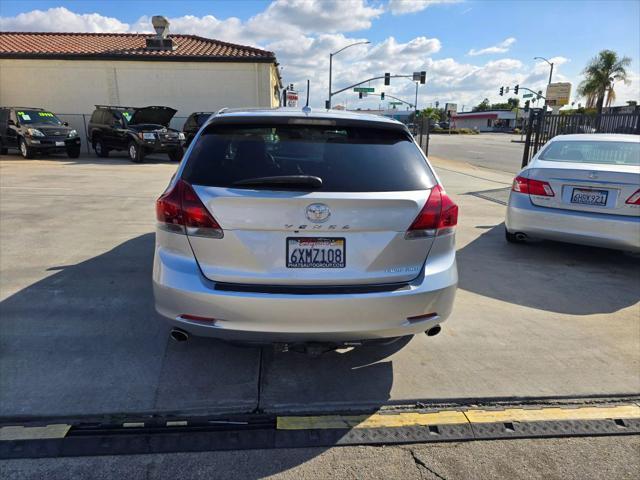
(553,414)
(19,432)
(375,420)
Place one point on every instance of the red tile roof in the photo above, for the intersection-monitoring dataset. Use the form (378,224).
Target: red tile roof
(124,46)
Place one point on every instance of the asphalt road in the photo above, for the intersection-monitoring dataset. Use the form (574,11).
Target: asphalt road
(79,335)
(494,151)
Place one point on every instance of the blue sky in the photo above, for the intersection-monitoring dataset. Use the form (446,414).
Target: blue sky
(405,35)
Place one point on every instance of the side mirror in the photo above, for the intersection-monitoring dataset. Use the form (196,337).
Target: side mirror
(66,124)
(11,122)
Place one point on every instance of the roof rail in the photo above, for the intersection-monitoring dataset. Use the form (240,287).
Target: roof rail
(114,106)
(222,110)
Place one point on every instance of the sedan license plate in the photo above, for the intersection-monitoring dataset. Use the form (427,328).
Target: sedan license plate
(588,196)
(316,252)
(59,144)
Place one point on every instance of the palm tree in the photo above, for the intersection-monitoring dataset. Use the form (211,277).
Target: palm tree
(600,74)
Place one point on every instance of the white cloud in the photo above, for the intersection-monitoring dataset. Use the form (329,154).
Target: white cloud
(501,47)
(402,7)
(61,19)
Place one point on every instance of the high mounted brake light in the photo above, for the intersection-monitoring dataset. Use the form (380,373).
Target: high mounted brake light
(532,187)
(438,216)
(179,210)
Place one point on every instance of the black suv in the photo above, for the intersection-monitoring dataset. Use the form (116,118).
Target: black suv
(139,131)
(193,124)
(36,130)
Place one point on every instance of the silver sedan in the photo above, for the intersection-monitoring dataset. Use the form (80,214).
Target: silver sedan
(581,189)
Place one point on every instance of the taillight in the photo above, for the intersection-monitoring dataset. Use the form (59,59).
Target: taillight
(634,199)
(438,216)
(180,210)
(532,187)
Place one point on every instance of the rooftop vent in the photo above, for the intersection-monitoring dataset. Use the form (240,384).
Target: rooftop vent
(161,41)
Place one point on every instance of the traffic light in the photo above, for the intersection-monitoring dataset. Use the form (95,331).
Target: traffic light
(501,91)
(526,105)
(515,89)
(360,95)
(423,77)
(382,96)
(387,79)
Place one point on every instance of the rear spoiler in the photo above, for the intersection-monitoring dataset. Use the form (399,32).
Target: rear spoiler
(302,120)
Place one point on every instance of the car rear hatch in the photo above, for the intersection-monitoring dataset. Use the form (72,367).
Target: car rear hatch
(260,182)
(152,115)
(588,186)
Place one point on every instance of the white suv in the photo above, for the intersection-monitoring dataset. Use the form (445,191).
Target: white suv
(284,226)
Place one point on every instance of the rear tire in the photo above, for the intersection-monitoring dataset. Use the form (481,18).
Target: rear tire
(100,149)
(135,152)
(25,150)
(512,237)
(73,152)
(176,155)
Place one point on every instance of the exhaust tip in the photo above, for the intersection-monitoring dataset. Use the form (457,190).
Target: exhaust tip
(521,237)
(433,331)
(179,335)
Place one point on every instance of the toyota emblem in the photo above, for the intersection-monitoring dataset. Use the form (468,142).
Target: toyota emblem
(318,212)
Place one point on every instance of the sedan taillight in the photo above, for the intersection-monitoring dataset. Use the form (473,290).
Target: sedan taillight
(532,187)
(180,210)
(634,199)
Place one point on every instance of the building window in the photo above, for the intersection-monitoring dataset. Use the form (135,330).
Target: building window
(489,123)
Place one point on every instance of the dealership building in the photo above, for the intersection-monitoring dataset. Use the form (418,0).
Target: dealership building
(487,121)
(69,73)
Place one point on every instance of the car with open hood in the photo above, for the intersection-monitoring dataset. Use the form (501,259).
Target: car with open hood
(193,124)
(139,131)
(34,131)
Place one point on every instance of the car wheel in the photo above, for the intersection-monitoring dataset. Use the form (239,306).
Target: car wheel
(100,149)
(135,152)
(25,150)
(73,152)
(512,237)
(176,155)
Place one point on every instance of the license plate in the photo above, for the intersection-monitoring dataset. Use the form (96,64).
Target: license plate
(588,196)
(316,252)
(59,144)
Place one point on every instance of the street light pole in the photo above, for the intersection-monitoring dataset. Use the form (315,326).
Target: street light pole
(415,104)
(331,65)
(550,64)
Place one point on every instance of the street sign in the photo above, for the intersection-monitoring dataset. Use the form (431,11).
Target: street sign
(395,103)
(292,98)
(364,89)
(527,95)
(558,94)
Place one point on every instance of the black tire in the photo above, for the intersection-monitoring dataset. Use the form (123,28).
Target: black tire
(25,150)
(100,149)
(136,154)
(176,155)
(511,237)
(74,151)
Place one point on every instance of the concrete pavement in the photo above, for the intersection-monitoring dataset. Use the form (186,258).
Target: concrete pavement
(80,337)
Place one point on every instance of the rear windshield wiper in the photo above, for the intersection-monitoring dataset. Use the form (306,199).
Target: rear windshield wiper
(291,181)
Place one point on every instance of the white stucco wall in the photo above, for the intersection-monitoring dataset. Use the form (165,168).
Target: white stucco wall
(75,86)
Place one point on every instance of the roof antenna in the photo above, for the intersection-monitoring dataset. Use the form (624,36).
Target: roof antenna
(307,108)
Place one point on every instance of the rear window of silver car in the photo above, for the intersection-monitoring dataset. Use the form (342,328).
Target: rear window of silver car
(347,159)
(593,151)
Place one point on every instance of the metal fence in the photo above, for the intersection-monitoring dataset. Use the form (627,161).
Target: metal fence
(80,121)
(543,126)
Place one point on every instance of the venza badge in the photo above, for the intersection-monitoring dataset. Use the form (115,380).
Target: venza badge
(318,212)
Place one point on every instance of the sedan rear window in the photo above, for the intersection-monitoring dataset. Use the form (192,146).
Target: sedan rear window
(611,153)
(346,159)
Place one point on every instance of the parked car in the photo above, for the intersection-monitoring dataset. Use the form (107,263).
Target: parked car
(292,227)
(34,131)
(138,131)
(581,189)
(193,124)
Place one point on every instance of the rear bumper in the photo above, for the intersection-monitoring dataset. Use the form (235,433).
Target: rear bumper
(180,288)
(596,229)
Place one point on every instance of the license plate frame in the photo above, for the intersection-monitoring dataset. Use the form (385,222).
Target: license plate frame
(602,196)
(294,242)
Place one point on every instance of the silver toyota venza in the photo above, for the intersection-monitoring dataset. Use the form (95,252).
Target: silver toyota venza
(580,189)
(301,227)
